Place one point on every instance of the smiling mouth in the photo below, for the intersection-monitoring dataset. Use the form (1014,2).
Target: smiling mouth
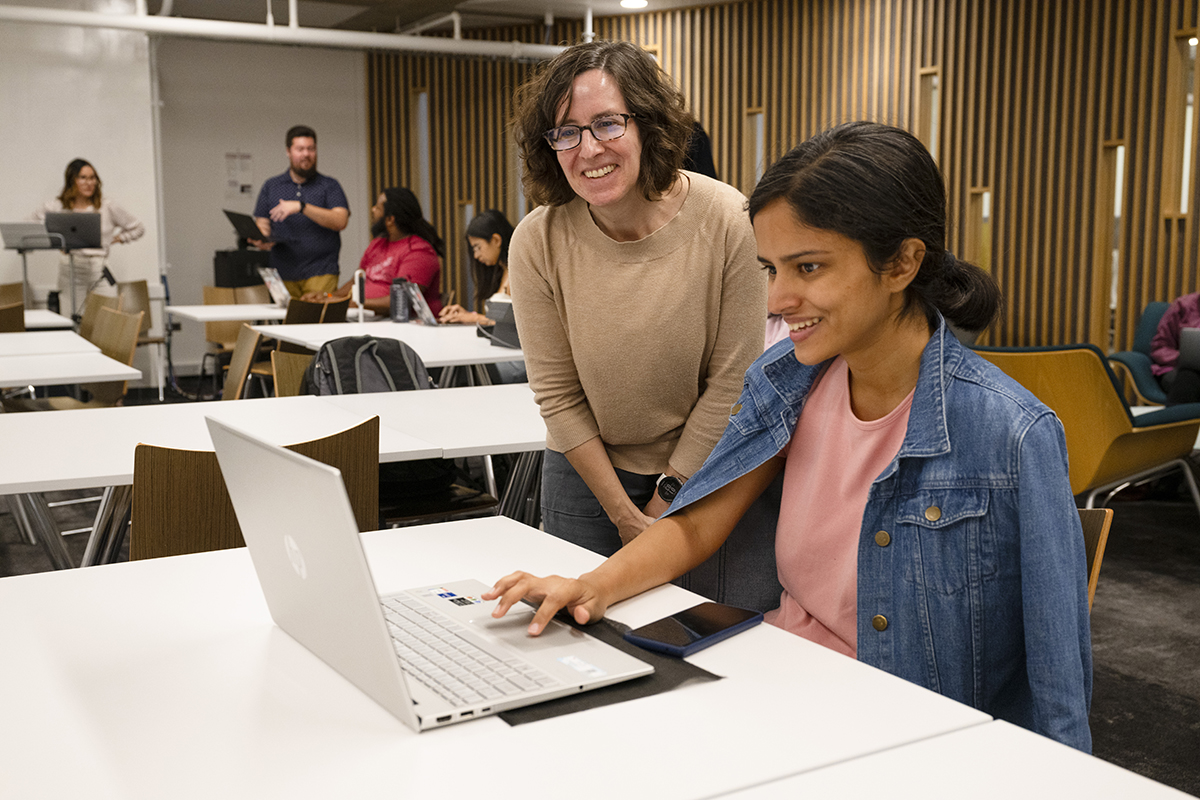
(799,326)
(599,173)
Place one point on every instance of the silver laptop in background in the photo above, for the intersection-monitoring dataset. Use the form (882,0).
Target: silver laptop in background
(1189,349)
(315,577)
(26,236)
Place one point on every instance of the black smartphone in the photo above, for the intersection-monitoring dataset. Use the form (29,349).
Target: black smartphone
(693,630)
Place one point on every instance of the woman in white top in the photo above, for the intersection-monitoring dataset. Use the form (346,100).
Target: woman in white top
(82,193)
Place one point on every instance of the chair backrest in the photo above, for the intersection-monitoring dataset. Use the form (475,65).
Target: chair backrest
(302,312)
(132,297)
(335,311)
(11,293)
(12,318)
(1076,382)
(250,295)
(91,309)
(244,352)
(181,504)
(116,335)
(1096,522)
(1152,314)
(288,370)
(221,333)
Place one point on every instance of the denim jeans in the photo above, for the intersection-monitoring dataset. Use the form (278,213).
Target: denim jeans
(570,511)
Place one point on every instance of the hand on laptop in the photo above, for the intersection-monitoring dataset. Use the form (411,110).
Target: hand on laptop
(553,593)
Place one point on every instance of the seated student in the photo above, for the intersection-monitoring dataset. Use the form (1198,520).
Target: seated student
(927,525)
(488,235)
(405,246)
(1181,385)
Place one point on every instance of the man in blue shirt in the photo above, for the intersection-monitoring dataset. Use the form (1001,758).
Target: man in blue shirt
(303,211)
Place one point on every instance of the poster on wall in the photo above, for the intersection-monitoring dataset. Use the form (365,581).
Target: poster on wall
(239,175)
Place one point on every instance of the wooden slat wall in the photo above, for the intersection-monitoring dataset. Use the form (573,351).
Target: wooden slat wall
(1033,97)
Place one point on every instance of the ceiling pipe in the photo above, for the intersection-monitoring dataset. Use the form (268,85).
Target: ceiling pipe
(293,14)
(457,19)
(588,33)
(166,8)
(270,16)
(250,32)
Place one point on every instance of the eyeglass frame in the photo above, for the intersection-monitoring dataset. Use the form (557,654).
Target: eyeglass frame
(581,128)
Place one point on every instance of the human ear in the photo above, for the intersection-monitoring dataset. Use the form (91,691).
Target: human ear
(905,265)
(495,241)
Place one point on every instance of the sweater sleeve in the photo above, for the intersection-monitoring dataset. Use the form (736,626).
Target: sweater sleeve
(130,226)
(1164,347)
(740,329)
(548,356)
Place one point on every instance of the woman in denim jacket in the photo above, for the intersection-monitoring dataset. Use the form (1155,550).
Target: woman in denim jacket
(927,525)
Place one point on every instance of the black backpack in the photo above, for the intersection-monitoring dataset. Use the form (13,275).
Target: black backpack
(365,364)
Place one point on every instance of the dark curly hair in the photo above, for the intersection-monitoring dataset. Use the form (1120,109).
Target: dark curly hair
(661,111)
(878,185)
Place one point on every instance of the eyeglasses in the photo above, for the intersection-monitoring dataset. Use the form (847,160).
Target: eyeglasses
(604,129)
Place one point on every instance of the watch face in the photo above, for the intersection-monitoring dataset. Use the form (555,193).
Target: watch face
(668,487)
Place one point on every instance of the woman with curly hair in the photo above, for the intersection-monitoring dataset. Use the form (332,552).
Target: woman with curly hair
(635,287)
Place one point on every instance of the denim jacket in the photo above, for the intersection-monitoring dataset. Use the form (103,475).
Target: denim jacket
(972,575)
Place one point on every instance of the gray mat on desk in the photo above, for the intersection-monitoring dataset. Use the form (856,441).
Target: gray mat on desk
(669,673)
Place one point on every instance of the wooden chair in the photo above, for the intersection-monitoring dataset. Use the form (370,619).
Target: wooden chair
(220,336)
(132,297)
(12,318)
(12,293)
(288,371)
(244,352)
(181,504)
(116,335)
(257,294)
(91,310)
(1096,522)
(302,312)
(1109,449)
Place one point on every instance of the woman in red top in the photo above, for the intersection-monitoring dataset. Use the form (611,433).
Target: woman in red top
(405,246)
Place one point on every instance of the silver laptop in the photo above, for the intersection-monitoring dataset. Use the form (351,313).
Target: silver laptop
(25,236)
(432,655)
(80,230)
(1189,349)
(279,293)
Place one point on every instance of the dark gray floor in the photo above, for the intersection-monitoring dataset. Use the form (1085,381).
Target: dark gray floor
(1146,701)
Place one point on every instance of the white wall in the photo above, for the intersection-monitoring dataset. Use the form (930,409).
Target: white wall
(70,93)
(225,97)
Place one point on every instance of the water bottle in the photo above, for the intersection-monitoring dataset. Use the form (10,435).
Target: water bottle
(400,308)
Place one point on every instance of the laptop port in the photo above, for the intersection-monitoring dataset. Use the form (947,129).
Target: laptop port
(445,718)
(467,714)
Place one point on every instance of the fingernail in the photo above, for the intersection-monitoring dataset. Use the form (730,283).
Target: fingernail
(534,629)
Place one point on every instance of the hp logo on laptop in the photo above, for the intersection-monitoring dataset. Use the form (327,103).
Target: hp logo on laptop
(295,556)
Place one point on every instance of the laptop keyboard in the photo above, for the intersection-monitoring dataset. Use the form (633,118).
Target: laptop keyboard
(444,656)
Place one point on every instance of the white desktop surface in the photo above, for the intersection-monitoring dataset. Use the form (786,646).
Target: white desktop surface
(219,312)
(53,369)
(464,421)
(44,318)
(437,345)
(994,761)
(40,343)
(166,678)
(46,451)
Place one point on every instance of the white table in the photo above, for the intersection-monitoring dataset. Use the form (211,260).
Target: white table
(244,312)
(166,678)
(44,318)
(54,369)
(994,761)
(437,345)
(44,342)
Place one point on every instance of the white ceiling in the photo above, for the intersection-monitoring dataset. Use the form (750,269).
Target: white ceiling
(394,15)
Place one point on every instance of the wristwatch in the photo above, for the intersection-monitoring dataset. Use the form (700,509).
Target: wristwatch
(302,205)
(668,486)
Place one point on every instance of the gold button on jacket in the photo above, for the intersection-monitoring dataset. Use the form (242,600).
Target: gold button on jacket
(933,513)
(879,622)
(882,539)
(735,409)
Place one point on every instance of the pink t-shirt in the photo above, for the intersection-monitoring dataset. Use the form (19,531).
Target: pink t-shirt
(411,258)
(831,462)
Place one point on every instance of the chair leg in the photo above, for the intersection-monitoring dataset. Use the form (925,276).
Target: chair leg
(36,515)
(108,529)
(1190,478)
(20,520)
(160,371)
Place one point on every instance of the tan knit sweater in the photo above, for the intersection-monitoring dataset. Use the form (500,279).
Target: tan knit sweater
(641,343)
